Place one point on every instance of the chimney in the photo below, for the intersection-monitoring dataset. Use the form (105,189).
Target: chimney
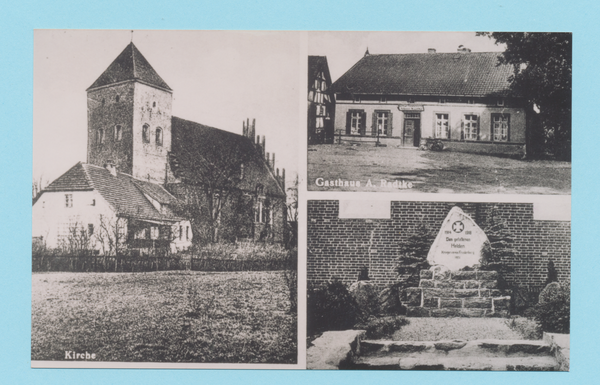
(367,52)
(283,179)
(431,50)
(110,166)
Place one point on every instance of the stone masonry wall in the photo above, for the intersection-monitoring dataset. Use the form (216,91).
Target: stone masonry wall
(443,293)
(338,248)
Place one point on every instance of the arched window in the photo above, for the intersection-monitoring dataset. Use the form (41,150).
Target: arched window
(159,137)
(146,134)
(118,133)
(101,135)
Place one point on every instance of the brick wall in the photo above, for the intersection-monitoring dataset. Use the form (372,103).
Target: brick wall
(338,248)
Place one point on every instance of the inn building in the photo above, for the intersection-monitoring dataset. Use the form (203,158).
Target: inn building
(460,98)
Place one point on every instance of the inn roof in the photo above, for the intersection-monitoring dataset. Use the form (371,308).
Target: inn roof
(195,145)
(130,65)
(476,74)
(123,193)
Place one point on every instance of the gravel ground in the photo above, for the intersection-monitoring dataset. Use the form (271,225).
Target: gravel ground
(437,329)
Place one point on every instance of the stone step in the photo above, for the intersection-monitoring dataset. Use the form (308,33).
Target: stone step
(435,362)
(455,348)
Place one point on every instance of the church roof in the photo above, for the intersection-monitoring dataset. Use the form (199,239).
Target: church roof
(197,149)
(130,65)
(123,193)
(475,74)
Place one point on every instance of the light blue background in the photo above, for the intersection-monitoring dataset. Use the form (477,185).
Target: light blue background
(17,22)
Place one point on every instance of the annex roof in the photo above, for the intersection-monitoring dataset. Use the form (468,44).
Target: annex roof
(317,64)
(124,193)
(474,74)
(197,149)
(130,65)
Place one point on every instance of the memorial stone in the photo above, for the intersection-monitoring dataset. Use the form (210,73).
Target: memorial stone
(459,243)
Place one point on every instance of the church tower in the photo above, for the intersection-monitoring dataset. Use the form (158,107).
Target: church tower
(129,118)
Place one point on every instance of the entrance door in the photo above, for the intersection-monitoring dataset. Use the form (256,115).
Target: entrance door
(412,132)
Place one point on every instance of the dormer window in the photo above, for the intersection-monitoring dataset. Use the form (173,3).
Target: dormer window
(118,133)
(159,137)
(146,134)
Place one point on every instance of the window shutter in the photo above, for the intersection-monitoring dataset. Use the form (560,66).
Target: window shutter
(363,122)
(348,120)
(478,127)
(390,120)
(508,128)
(492,129)
(374,124)
(462,129)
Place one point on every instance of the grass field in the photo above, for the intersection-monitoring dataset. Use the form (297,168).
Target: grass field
(237,317)
(434,172)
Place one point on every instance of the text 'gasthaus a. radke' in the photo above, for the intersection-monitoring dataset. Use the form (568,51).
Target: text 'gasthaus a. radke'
(381,183)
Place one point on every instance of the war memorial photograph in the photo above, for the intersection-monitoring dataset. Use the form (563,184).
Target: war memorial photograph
(399,285)
(439,112)
(164,228)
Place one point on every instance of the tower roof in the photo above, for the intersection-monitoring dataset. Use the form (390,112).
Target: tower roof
(130,65)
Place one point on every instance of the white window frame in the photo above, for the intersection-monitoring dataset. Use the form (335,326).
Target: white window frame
(500,127)
(440,127)
(471,127)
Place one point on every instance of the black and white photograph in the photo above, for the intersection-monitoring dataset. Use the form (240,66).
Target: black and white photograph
(165,198)
(439,285)
(439,112)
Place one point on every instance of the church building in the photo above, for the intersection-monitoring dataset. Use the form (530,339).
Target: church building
(460,98)
(166,180)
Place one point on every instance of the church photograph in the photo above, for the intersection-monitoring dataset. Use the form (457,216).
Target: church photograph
(164,168)
(439,112)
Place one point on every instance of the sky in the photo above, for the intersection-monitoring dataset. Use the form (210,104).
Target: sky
(219,78)
(344,49)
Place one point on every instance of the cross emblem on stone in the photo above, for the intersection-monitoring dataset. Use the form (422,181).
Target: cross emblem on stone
(458,227)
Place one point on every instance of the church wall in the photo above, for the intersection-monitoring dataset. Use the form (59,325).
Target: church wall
(154,108)
(339,248)
(105,113)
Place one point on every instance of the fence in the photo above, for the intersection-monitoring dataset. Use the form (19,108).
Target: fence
(140,264)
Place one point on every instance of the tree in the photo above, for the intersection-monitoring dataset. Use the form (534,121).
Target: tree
(37,186)
(413,254)
(291,239)
(542,65)
(210,175)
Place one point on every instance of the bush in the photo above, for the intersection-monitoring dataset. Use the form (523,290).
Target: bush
(553,311)
(384,327)
(527,328)
(330,307)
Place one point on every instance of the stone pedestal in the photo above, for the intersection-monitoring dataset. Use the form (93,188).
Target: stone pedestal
(446,293)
